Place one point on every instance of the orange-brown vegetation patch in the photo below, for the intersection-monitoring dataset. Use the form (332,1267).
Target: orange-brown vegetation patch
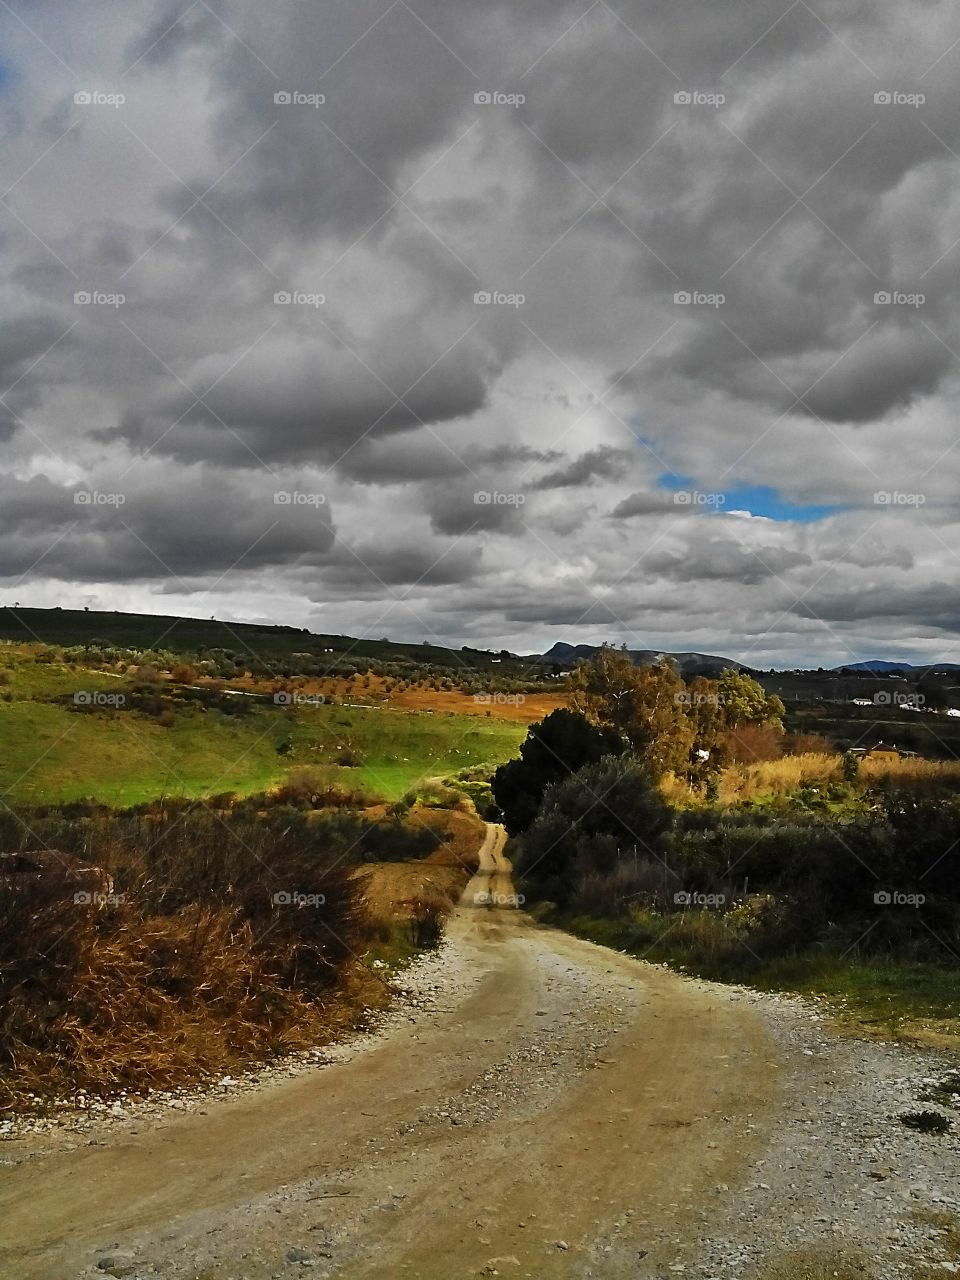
(521,708)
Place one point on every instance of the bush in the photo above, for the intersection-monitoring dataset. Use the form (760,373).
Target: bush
(554,748)
(589,824)
(218,935)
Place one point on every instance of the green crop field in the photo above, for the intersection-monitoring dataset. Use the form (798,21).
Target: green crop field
(50,750)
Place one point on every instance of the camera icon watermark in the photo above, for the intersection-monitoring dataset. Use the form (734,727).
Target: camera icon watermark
(97,698)
(297,498)
(495,298)
(286,698)
(896,298)
(698,98)
(894,898)
(297,298)
(500,699)
(95,498)
(895,98)
(494,498)
(94,298)
(296,98)
(912,701)
(97,898)
(96,98)
(695,498)
(685,898)
(897,498)
(494,98)
(695,298)
(294,898)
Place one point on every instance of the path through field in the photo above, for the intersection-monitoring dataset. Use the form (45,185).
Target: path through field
(558,1110)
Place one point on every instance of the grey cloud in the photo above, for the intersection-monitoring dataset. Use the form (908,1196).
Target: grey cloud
(370,569)
(129,528)
(299,399)
(723,559)
(918,605)
(604,463)
(644,504)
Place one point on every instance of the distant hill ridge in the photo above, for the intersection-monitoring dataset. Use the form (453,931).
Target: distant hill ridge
(71,627)
(879,666)
(689,664)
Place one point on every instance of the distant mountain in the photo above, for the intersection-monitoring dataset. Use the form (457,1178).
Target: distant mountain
(877,666)
(689,664)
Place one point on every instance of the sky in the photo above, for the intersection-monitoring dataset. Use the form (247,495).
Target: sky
(491,324)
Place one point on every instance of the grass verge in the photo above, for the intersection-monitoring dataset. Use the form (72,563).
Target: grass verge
(887,998)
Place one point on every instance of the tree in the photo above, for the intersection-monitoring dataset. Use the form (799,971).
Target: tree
(648,706)
(744,701)
(589,822)
(558,745)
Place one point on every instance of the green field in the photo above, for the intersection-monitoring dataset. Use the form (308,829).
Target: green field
(49,751)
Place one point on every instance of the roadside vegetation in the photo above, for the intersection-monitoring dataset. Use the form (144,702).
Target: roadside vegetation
(705,836)
(211,855)
(173,941)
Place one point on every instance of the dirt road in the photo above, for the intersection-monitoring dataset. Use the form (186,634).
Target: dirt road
(560,1110)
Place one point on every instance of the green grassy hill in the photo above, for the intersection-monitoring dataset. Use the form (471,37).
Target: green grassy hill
(51,749)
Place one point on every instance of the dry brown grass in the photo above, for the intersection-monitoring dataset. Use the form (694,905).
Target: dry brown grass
(740,782)
(199,962)
(777,777)
(131,1003)
(947,771)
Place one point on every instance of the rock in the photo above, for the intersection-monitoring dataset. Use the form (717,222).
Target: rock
(301,1257)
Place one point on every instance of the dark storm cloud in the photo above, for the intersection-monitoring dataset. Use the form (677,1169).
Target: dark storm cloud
(297,398)
(462,511)
(920,605)
(117,530)
(371,570)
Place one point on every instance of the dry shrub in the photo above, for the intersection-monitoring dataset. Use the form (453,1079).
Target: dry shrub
(618,892)
(427,915)
(920,778)
(316,787)
(751,743)
(777,777)
(705,937)
(916,777)
(215,951)
(676,791)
